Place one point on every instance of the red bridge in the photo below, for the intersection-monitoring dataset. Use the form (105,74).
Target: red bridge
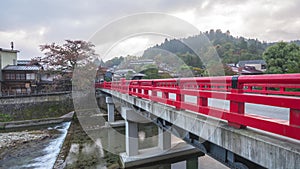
(269,103)
(280,90)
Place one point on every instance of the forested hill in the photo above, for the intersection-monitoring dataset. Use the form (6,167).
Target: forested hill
(296,41)
(230,49)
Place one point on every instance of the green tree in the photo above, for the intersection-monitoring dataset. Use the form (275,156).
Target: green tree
(282,58)
(114,61)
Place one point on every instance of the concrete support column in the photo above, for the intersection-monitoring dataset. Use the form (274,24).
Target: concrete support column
(110,109)
(192,163)
(164,139)
(132,144)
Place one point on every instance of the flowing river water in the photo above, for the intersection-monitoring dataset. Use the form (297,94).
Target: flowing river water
(83,152)
(86,153)
(39,154)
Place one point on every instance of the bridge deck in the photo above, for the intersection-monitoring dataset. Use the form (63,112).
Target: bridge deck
(263,148)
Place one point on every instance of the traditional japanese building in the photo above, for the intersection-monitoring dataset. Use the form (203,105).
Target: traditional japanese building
(20,79)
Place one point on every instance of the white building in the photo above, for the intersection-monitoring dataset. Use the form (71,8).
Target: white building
(7,57)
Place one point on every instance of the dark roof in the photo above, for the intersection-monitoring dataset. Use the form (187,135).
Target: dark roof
(250,70)
(23,62)
(138,76)
(246,70)
(17,67)
(242,63)
(9,50)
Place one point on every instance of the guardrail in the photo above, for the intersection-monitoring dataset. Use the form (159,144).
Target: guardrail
(35,94)
(280,90)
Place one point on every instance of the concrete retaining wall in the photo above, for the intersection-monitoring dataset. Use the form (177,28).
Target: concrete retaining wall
(36,122)
(35,107)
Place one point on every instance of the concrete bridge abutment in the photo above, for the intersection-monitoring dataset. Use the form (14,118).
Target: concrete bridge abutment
(163,151)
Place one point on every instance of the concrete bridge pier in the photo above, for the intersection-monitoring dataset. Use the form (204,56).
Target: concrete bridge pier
(192,163)
(164,139)
(111,122)
(110,109)
(165,150)
(132,142)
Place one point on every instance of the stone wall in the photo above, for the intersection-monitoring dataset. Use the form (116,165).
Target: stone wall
(35,107)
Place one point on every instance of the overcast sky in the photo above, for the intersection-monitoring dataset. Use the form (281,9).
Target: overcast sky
(29,23)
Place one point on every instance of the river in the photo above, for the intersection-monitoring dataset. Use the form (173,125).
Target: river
(37,154)
(83,152)
(86,153)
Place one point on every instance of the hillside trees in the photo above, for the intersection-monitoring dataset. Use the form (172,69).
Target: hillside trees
(283,58)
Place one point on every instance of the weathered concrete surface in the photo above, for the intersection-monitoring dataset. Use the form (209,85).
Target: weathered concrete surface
(36,122)
(36,107)
(118,123)
(110,109)
(155,154)
(267,150)
(130,115)
(34,99)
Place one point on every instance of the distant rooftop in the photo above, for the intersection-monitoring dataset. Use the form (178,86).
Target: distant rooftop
(23,62)
(140,62)
(124,71)
(18,67)
(244,62)
(9,50)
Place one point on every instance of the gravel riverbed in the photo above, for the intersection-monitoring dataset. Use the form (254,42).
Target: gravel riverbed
(12,139)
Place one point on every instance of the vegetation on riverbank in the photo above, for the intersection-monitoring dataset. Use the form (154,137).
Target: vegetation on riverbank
(5,117)
(73,154)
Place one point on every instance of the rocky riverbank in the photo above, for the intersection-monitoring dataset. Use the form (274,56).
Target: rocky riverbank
(35,147)
(12,139)
(15,139)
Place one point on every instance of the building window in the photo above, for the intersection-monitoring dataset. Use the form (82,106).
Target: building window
(22,76)
(18,77)
(18,90)
(12,76)
(7,76)
(30,76)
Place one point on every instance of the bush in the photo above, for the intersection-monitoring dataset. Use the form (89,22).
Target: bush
(5,117)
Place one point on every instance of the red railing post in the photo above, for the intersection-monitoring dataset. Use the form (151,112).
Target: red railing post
(146,92)
(165,95)
(236,106)
(295,117)
(179,96)
(202,101)
(153,93)
(123,85)
(139,90)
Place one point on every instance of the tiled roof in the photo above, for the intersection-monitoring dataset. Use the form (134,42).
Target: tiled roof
(242,63)
(16,67)
(23,62)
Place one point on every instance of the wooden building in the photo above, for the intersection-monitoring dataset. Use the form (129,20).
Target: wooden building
(20,79)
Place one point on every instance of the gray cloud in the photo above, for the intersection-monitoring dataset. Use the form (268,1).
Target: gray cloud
(33,22)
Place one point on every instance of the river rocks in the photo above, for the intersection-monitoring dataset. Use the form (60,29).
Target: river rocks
(12,139)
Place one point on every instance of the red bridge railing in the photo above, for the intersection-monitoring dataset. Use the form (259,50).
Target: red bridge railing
(280,90)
